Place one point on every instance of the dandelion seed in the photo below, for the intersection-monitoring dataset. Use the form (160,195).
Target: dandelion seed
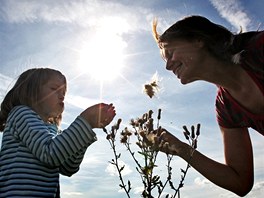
(152,88)
(149,90)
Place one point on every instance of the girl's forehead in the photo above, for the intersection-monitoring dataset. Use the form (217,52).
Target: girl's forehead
(57,79)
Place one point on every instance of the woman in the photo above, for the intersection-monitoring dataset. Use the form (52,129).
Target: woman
(194,48)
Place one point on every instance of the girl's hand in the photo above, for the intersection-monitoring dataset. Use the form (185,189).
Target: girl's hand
(99,115)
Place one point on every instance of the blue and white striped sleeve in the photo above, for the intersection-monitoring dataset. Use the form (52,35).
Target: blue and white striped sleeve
(72,164)
(50,149)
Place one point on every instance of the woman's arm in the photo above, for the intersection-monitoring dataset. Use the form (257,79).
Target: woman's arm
(236,174)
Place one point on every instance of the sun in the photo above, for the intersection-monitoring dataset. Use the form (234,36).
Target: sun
(102,57)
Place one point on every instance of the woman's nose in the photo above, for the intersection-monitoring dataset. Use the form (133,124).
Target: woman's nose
(169,64)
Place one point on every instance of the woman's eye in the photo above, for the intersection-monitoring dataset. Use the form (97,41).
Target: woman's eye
(168,55)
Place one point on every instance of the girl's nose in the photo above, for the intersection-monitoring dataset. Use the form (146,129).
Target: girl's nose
(61,95)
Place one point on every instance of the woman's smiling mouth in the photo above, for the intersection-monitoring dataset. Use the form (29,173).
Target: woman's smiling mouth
(176,69)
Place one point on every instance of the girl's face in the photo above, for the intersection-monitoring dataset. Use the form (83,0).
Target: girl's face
(52,95)
(184,59)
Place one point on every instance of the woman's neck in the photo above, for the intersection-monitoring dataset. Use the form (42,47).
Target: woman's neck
(225,74)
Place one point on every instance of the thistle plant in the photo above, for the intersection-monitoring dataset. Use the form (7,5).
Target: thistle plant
(148,141)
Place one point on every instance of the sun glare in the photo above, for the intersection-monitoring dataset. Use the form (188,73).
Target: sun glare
(102,57)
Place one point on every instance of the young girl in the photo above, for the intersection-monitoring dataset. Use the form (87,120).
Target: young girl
(33,152)
(195,48)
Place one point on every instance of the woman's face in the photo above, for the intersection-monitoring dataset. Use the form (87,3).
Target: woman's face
(184,59)
(52,95)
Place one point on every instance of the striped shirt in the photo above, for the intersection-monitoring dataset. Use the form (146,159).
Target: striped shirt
(33,154)
(230,114)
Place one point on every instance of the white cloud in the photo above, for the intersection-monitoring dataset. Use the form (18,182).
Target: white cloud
(6,83)
(83,13)
(79,101)
(27,11)
(227,195)
(138,190)
(259,186)
(73,194)
(90,16)
(258,190)
(111,169)
(201,182)
(233,12)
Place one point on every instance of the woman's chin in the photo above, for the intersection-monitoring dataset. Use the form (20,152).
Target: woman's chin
(184,81)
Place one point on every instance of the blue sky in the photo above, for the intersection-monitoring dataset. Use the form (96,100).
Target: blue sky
(78,37)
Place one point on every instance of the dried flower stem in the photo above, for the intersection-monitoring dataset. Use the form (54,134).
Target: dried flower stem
(116,164)
(146,141)
(192,138)
(169,172)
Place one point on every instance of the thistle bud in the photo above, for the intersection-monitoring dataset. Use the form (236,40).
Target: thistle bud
(193,133)
(186,135)
(118,123)
(104,129)
(108,137)
(150,114)
(139,144)
(132,122)
(123,139)
(150,125)
(185,129)
(159,114)
(198,129)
